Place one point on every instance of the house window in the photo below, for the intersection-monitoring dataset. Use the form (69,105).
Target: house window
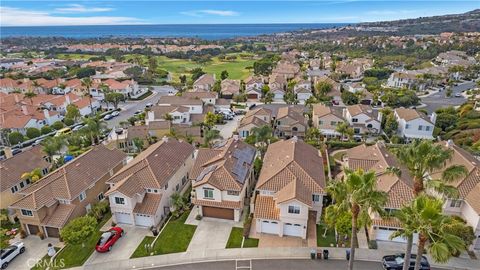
(320,122)
(427,128)
(22,184)
(354,120)
(119,200)
(177,187)
(207,193)
(233,192)
(149,190)
(14,189)
(315,197)
(82,196)
(166,186)
(293,209)
(184,180)
(333,123)
(407,126)
(100,196)
(27,213)
(456,203)
(279,123)
(420,127)
(45,171)
(27,181)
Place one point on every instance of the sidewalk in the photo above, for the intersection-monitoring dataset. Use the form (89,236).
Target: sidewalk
(259,253)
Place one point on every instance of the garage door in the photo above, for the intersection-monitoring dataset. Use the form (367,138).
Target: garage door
(33,229)
(123,218)
(292,229)
(383,234)
(216,212)
(143,220)
(269,227)
(52,232)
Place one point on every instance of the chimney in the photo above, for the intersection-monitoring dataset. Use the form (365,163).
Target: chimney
(294,139)
(46,114)
(165,139)
(8,152)
(67,99)
(17,99)
(235,137)
(24,110)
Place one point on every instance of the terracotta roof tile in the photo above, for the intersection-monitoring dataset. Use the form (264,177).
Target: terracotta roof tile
(222,204)
(149,205)
(265,208)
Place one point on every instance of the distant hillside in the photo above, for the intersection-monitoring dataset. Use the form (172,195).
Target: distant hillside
(466,22)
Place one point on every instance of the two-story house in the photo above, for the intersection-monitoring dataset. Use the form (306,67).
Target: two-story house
(413,124)
(68,192)
(204,82)
(12,169)
(399,188)
(221,179)
(467,204)
(254,118)
(326,119)
(205,96)
(253,87)
(140,193)
(363,118)
(290,189)
(290,122)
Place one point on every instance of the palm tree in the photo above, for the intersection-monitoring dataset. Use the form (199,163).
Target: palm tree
(262,135)
(52,145)
(421,158)
(86,84)
(430,224)
(343,128)
(30,95)
(94,128)
(210,135)
(404,216)
(357,193)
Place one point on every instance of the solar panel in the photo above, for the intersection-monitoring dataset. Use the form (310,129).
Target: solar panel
(244,157)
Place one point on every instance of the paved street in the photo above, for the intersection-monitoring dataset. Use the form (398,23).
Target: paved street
(129,107)
(439,100)
(278,265)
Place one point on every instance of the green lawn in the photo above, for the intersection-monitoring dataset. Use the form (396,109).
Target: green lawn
(327,241)
(235,239)
(76,255)
(175,236)
(141,251)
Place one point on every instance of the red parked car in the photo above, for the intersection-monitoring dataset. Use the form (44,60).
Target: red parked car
(108,239)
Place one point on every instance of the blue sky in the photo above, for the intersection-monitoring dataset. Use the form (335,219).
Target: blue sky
(65,12)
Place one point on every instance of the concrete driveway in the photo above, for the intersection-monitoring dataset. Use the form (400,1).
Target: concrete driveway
(123,248)
(211,233)
(35,249)
(227,130)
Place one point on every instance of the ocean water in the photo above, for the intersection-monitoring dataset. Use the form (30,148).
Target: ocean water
(204,31)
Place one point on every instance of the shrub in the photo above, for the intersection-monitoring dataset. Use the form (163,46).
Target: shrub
(247,225)
(78,230)
(46,130)
(33,132)
(198,217)
(68,121)
(57,125)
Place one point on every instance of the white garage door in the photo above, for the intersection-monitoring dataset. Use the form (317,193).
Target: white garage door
(292,229)
(270,227)
(383,234)
(123,218)
(143,220)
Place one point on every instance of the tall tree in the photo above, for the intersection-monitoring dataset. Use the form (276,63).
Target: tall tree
(357,193)
(430,224)
(209,136)
(263,135)
(344,129)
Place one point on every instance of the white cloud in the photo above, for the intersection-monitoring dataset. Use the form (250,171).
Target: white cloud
(10,16)
(203,12)
(76,8)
